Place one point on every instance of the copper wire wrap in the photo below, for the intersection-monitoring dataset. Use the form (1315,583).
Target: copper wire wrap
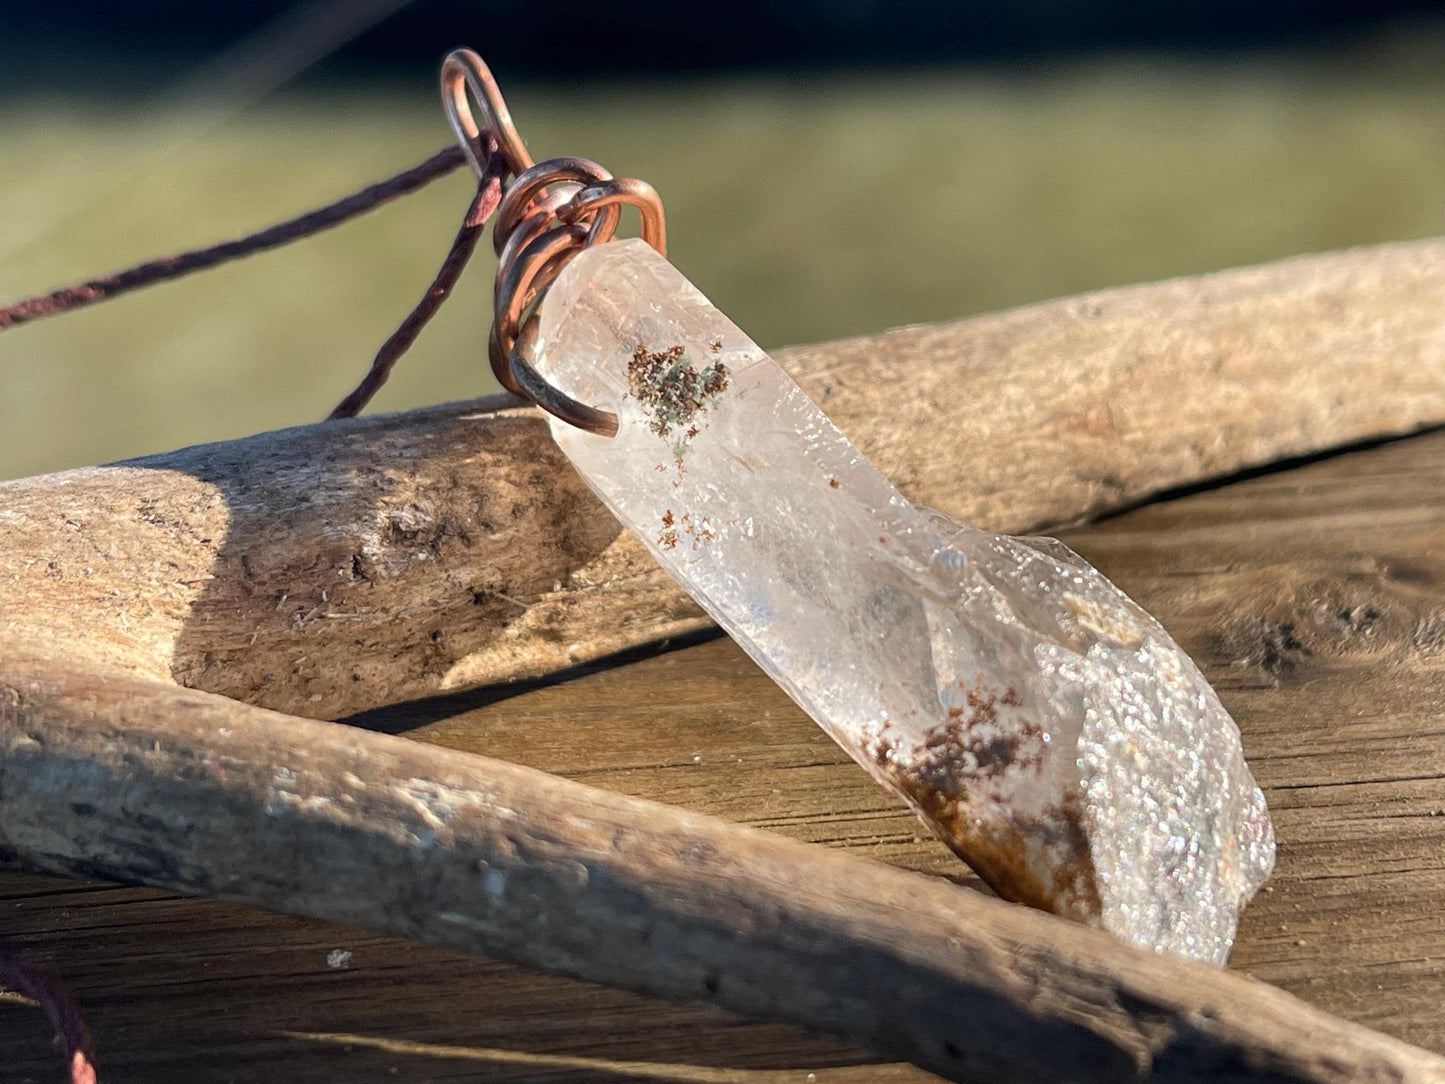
(551,211)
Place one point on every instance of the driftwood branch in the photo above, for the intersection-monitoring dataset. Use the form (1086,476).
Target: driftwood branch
(322,570)
(127,778)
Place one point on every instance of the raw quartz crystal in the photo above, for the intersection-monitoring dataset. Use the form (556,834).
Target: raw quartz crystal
(1042,724)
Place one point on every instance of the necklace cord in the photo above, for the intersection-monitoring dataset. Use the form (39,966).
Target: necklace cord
(47,991)
(166,268)
(549,213)
(482,207)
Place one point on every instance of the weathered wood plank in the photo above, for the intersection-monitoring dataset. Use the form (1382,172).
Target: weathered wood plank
(108,775)
(180,990)
(1312,598)
(327,569)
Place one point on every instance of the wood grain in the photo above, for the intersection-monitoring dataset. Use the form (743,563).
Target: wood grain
(1314,600)
(1311,597)
(118,777)
(328,569)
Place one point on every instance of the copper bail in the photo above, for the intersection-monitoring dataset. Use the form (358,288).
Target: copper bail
(550,211)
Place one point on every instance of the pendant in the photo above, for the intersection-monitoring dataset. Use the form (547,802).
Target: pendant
(1042,724)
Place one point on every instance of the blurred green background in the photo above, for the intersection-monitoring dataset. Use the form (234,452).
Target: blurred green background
(809,202)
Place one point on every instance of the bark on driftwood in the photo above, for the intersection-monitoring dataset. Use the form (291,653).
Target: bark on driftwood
(322,570)
(329,569)
(127,778)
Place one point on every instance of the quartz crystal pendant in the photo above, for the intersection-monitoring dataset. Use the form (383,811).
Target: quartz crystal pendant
(1041,723)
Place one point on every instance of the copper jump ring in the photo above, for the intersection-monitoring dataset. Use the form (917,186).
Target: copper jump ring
(463,69)
(522,195)
(534,244)
(550,398)
(551,211)
(613,193)
(520,285)
(541,216)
